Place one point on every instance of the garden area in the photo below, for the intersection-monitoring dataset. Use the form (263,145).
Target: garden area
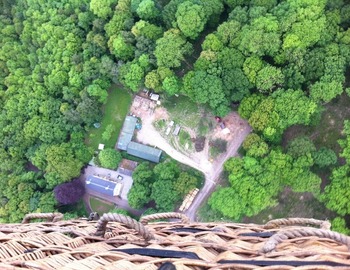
(114,112)
(100,206)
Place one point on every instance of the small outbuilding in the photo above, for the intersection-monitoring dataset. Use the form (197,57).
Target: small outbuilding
(154,97)
(144,152)
(177,130)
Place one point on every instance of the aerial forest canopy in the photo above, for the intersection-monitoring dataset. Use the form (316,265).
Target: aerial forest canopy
(280,59)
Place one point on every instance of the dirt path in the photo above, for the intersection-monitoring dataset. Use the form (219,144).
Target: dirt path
(212,178)
(149,135)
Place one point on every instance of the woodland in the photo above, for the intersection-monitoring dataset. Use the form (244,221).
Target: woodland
(282,61)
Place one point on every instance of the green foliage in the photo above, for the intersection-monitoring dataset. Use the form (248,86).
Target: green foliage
(166,170)
(122,48)
(165,184)
(301,146)
(164,195)
(255,146)
(171,49)
(102,8)
(336,194)
(325,157)
(107,134)
(339,225)
(255,182)
(132,75)
(185,183)
(190,19)
(269,78)
(120,211)
(109,158)
(147,10)
(171,85)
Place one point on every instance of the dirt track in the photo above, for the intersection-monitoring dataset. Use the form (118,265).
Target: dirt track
(149,135)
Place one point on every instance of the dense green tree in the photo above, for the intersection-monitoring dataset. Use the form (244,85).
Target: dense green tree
(325,157)
(102,9)
(138,196)
(166,171)
(122,49)
(255,146)
(132,75)
(147,10)
(109,158)
(301,146)
(107,134)
(171,85)
(336,194)
(164,195)
(190,19)
(269,78)
(171,49)
(62,162)
(185,183)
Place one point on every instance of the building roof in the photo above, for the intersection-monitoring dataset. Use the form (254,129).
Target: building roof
(127,132)
(144,151)
(100,185)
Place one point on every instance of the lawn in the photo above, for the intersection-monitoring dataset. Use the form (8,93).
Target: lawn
(100,206)
(183,111)
(114,112)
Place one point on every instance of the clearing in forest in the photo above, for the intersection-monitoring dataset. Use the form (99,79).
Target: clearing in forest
(114,112)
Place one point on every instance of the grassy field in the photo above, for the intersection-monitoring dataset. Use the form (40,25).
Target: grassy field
(100,206)
(114,112)
(183,111)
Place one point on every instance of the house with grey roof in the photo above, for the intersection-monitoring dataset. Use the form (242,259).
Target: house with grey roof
(144,151)
(127,132)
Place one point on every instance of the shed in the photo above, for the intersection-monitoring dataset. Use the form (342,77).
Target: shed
(127,132)
(144,151)
(101,185)
(154,97)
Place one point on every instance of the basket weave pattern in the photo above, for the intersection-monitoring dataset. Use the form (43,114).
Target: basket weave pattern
(119,242)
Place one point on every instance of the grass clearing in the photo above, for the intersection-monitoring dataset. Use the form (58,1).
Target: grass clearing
(183,111)
(184,138)
(329,129)
(100,206)
(114,112)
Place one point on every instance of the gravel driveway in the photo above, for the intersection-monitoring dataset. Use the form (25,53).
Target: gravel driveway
(149,135)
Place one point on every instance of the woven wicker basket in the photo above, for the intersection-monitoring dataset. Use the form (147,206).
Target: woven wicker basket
(119,242)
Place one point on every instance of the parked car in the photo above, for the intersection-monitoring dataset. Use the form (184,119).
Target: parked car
(120,177)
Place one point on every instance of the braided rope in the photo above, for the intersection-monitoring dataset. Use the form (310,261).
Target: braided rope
(125,220)
(53,217)
(184,219)
(323,224)
(279,237)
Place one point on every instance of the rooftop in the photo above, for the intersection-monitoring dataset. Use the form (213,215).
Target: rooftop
(100,185)
(127,132)
(144,151)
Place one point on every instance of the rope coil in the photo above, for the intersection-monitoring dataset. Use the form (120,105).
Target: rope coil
(184,219)
(51,217)
(279,237)
(276,223)
(125,220)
